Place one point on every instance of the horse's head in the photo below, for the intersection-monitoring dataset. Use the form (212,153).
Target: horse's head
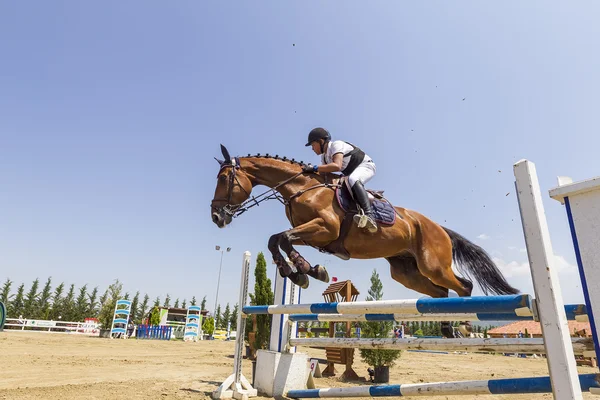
(233,188)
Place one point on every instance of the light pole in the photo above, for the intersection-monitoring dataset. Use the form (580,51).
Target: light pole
(218,248)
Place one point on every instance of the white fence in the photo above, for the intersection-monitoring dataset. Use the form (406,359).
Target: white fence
(45,326)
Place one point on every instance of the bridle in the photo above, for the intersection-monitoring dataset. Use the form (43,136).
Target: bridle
(235,210)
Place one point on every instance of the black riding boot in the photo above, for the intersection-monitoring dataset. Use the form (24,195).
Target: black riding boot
(362,198)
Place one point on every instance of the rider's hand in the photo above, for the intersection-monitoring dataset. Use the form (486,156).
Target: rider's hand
(309,168)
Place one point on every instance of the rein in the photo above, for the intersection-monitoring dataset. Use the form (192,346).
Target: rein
(270,194)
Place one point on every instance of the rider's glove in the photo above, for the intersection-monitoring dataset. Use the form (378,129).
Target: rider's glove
(310,168)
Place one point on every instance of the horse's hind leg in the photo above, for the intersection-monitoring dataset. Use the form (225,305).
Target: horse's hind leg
(404,269)
(434,260)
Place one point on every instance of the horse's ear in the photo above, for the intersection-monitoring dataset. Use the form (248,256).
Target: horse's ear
(225,154)
(219,161)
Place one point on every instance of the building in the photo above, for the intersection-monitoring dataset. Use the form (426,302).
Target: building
(533,329)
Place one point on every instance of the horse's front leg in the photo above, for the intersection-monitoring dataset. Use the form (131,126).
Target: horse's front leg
(285,270)
(315,231)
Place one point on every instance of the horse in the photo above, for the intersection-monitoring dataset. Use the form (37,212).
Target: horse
(420,252)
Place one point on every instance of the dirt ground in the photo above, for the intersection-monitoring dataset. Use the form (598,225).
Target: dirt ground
(57,366)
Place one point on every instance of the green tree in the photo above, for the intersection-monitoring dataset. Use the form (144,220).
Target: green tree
(226,317)
(69,305)
(167,301)
(202,304)
(17,305)
(263,295)
(5,295)
(208,325)
(217,317)
(193,302)
(377,357)
(44,300)
(30,309)
(57,302)
(107,310)
(81,305)
(234,317)
(176,305)
(184,304)
(92,310)
(155,316)
(135,307)
(157,302)
(143,309)
(102,300)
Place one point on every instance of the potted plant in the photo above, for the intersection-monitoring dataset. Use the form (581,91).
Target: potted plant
(380,359)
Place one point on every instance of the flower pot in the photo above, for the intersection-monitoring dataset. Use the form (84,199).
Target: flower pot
(104,333)
(382,374)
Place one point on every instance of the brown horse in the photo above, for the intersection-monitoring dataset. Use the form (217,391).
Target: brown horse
(420,252)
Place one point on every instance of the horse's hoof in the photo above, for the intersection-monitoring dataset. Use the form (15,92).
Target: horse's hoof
(465,328)
(299,279)
(447,330)
(319,273)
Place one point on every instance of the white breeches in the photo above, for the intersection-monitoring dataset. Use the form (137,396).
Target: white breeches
(364,172)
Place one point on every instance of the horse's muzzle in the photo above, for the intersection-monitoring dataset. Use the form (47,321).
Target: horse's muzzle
(220,218)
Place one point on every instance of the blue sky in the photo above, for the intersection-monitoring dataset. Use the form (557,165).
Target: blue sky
(111,114)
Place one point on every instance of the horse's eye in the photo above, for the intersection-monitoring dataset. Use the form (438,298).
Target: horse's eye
(222,179)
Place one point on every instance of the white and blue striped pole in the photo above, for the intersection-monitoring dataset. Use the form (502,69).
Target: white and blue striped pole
(520,304)
(492,386)
(576,312)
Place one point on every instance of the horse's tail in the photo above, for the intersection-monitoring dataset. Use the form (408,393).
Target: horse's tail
(474,261)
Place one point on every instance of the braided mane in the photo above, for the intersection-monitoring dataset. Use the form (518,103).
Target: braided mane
(276,157)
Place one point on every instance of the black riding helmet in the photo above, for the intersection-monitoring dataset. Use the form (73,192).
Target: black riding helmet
(316,134)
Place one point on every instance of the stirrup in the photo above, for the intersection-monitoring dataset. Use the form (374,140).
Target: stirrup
(360,219)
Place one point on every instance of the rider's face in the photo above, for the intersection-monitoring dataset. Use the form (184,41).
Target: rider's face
(316,146)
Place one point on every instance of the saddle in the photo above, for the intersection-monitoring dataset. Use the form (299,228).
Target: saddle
(383,212)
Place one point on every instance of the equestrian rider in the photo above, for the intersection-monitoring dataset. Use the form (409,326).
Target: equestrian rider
(351,161)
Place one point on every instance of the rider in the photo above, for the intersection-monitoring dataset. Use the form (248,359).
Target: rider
(340,156)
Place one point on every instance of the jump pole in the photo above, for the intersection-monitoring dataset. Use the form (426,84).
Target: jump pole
(575,312)
(492,386)
(498,345)
(520,304)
